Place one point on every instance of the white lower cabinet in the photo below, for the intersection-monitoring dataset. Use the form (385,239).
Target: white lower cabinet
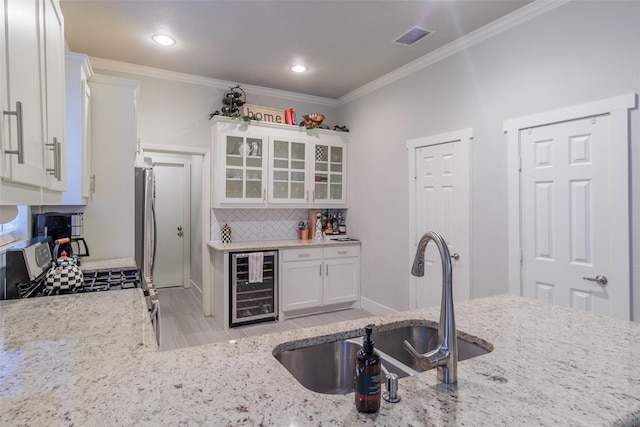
(319,279)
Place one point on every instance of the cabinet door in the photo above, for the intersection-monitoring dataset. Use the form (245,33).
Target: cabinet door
(243,169)
(23,72)
(288,183)
(341,280)
(85,140)
(301,284)
(329,160)
(55,157)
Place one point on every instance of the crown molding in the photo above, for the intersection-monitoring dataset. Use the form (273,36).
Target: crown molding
(124,67)
(498,26)
(113,80)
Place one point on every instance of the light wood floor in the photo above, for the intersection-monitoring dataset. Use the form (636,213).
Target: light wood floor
(183,325)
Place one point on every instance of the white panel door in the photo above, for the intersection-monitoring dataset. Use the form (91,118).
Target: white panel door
(567,215)
(442,205)
(172,235)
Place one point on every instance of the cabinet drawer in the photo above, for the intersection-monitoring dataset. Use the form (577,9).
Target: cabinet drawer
(342,251)
(301,254)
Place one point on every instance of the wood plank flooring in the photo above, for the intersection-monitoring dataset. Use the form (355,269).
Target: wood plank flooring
(183,325)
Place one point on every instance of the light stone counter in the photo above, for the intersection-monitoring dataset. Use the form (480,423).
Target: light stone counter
(549,366)
(277,244)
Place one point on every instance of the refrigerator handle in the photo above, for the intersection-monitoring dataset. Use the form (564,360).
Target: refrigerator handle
(155,232)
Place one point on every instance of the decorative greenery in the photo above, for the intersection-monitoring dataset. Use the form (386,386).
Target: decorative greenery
(238,116)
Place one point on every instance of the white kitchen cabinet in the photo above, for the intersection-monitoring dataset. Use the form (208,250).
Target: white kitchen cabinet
(301,279)
(341,275)
(32,41)
(109,217)
(319,279)
(239,167)
(78,119)
(55,136)
(273,165)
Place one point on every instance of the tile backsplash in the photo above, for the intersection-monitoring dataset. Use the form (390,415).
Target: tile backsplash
(260,224)
(257,224)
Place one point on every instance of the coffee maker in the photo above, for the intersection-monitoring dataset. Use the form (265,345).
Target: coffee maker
(59,225)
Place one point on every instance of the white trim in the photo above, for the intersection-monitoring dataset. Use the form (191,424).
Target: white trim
(374,307)
(114,81)
(515,18)
(462,135)
(123,67)
(207,265)
(174,149)
(617,107)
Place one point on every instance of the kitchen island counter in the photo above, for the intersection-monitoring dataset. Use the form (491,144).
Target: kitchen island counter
(549,366)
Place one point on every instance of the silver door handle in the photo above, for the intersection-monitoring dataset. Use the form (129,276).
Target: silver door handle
(599,279)
(20,150)
(455,256)
(56,146)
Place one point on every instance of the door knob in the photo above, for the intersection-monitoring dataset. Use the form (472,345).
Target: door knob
(455,256)
(599,279)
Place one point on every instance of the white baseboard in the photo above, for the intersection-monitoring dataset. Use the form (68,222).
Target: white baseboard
(375,307)
(196,286)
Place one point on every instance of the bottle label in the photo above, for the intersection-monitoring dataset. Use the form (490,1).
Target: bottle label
(368,384)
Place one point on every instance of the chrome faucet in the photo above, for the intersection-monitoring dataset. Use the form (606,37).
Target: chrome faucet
(445,356)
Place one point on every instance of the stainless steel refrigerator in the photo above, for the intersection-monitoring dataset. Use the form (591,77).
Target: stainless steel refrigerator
(145,222)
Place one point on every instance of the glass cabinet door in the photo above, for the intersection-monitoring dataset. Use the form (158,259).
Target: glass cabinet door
(329,173)
(288,171)
(244,169)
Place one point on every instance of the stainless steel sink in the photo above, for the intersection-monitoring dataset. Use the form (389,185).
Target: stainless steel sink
(423,339)
(329,367)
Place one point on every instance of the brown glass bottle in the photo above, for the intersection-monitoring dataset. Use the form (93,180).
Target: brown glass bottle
(367,376)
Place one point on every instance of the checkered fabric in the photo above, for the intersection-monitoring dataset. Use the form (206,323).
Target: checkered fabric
(319,152)
(65,275)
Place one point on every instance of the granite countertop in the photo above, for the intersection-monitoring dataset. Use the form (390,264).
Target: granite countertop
(278,244)
(549,366)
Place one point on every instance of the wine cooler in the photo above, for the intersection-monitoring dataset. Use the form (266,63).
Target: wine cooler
(253,284)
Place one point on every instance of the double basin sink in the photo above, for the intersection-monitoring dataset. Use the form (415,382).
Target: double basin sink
(329,367)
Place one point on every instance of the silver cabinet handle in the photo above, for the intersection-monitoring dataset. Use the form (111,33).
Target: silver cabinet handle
(455,256)
(92,184)
(18,114)
(56,146)
(180,233)
(599,279)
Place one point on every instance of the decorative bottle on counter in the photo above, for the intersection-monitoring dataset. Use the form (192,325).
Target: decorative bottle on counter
(318,235)
(226,234)
(342,226)
(367,376)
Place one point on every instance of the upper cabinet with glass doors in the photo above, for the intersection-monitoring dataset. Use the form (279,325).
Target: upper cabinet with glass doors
(272,165)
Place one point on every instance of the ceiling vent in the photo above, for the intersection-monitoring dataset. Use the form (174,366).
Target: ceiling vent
(412,36)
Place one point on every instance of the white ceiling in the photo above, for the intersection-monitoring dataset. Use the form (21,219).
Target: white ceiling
(346,43)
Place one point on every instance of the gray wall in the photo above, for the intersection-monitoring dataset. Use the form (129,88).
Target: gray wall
(576,53)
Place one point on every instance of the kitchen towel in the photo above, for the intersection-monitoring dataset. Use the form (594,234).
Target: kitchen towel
(256,261)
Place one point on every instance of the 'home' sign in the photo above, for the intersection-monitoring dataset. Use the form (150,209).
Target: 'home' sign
(263,113)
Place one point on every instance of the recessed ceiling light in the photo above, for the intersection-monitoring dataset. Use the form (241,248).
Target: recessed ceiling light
(299,68)
(163,40)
